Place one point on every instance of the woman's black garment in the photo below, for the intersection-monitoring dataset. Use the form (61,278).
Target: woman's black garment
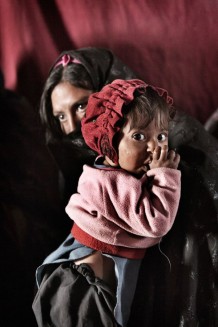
(211,124)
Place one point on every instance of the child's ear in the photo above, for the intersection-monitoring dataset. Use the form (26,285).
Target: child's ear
(109,162)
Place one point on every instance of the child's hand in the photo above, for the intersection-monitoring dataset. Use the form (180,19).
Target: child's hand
(163,158)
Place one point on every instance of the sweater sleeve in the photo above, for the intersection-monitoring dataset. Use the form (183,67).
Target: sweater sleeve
(163,200)
(146,207)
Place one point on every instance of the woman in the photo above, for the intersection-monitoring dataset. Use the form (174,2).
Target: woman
(190,245)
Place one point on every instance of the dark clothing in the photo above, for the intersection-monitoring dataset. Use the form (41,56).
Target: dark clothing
(73,297)
(126,271)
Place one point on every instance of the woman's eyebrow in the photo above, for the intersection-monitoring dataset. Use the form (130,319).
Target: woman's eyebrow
(58,111)
(85,98)
(79,101)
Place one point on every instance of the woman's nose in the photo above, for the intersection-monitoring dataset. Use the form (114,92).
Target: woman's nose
(71,125)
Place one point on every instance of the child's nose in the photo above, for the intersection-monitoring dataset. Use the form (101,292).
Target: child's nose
(151,145)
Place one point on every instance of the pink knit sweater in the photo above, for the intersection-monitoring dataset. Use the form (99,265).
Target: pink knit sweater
(116,208)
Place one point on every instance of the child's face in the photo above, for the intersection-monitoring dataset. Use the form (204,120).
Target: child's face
(136,147)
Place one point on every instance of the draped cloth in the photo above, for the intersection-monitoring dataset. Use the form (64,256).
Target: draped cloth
(73,296)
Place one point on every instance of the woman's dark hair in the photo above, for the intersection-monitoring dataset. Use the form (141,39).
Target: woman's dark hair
(73,73)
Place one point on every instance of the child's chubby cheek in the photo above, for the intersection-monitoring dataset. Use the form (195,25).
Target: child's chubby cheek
(125,154)
(126,159)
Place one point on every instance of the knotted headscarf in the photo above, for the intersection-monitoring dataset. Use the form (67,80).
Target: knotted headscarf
(101,64)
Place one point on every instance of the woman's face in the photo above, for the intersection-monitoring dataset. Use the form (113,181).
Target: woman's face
(69,105)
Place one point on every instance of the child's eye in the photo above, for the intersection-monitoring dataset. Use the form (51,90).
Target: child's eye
(162,137)
(138,137)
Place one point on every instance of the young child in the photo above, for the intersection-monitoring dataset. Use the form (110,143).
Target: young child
(129,200)
(125,203)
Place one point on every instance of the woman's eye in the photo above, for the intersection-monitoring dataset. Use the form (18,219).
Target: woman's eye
(60,117)
(138,137)
(162,137)
(82,107)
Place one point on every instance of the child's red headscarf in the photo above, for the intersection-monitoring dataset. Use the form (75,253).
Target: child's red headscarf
(105,110)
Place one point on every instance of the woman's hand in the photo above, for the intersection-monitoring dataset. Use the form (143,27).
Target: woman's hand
(164,158)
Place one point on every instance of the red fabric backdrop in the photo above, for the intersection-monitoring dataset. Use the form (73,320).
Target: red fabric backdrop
(173,44)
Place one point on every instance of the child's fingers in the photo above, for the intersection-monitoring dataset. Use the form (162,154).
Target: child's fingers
(164,152)
(156,153)
(174,159)
(177,158)
(171,155)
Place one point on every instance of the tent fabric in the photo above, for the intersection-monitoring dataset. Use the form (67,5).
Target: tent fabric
(172,44)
